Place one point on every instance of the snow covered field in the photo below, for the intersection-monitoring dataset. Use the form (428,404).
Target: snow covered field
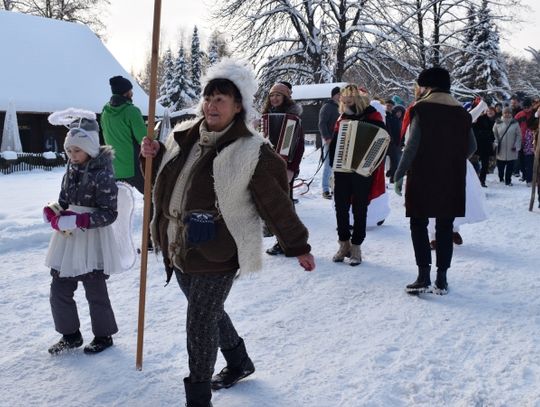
(338,337)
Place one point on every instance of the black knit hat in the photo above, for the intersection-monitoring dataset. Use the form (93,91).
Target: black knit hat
(435,77)
(335,91)
(120,85)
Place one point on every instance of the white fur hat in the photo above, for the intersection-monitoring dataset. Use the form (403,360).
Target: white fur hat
(241,74)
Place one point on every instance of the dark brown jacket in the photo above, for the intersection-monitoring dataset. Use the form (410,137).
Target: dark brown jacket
(269,189)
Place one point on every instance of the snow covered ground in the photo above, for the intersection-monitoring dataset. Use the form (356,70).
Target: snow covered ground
(340,336)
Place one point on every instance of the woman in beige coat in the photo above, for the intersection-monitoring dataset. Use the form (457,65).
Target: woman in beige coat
(507,144)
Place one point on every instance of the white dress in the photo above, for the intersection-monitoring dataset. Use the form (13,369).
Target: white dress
(109,248)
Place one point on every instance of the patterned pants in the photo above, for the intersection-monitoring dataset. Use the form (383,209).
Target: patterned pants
(207,325)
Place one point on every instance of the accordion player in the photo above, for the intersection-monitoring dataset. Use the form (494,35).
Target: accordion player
(360,147)
(284,132)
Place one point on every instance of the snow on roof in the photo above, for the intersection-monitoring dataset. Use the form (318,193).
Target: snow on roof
(316,91)
(49,65)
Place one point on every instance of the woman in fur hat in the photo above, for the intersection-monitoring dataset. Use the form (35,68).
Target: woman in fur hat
(350,188)
(279,101)
(215,179)
(83,247)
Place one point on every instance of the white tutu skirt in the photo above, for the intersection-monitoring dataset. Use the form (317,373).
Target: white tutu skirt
(109,248)
(378,210)
(475,208)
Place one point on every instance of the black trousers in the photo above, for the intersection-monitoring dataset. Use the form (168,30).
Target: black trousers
(207,324)
(394,154)
(527,165)
(351,189)
(443,235)
(484,161)
(505,169)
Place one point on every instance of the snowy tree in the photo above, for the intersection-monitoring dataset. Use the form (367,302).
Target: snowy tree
(181,89)
(217,48)
(491,76)
(523,75)
(304,41)
(8,4)
(166,90)
(464,72)
(196,62)
(86,12)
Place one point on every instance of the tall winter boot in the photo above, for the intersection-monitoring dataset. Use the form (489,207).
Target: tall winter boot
(197,394)
(343,251)
(441,285)
(356,255)
(239,366)
(422,282)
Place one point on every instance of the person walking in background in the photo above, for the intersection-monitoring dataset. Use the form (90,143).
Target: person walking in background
(83,247)
(435,159)
(483,131)
(394,118)
(350,188)
(527,125)
(507,143)
(328,116)
(123,128)
(216,178)
(279,101)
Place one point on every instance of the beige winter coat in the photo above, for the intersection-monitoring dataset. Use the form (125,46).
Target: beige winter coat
(510,143)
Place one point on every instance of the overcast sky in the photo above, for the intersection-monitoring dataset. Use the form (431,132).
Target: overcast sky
(129,28)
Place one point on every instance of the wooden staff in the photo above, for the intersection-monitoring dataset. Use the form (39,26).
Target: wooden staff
(148,180)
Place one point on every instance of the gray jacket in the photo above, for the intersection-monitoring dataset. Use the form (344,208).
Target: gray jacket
(510,143)
(328,116)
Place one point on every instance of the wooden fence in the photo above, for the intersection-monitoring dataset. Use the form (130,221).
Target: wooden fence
(31,161)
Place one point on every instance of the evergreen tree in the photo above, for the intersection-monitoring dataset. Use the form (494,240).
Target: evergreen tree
(491,73)
(182,94)
(464,70)
(217,48)
(196,62)
(166,88)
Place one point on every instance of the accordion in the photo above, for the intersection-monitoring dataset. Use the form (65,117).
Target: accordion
(360,147)
(283,131)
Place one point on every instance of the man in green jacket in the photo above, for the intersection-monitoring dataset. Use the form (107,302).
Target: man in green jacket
(123,128)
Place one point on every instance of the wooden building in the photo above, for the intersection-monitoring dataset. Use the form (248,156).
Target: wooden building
(50,65)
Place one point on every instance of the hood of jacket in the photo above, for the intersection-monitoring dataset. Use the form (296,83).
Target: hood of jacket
(117,105)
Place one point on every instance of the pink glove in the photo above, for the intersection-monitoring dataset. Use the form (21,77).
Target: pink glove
(50,211)
(69,220)
(48,214)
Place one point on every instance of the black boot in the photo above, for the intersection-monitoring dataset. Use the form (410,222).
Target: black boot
(275,250)
(441,285)
(422,282)
(98,344)
(197,394)
(70,341)
(239,365)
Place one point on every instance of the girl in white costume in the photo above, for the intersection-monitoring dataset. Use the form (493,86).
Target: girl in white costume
(85,246)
